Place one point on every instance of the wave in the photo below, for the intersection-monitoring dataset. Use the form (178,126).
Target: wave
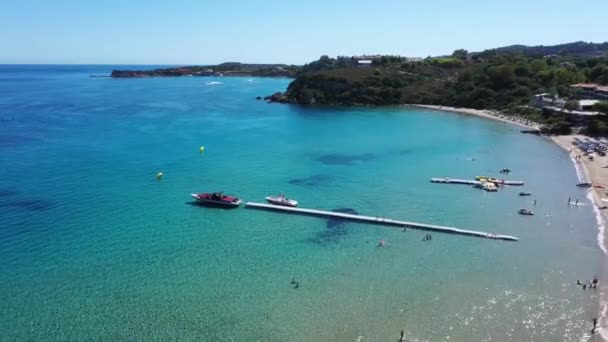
(213,83)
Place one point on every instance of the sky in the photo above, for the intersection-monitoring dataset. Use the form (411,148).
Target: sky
(293,32)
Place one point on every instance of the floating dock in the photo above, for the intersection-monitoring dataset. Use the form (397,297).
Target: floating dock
(472,182)
(381,221)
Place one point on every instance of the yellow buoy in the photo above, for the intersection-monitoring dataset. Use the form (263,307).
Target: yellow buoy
(159,176)
(201,149)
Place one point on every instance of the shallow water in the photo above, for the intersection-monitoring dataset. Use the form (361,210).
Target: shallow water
(93,247)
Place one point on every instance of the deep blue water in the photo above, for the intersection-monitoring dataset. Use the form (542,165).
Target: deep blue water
(93,247)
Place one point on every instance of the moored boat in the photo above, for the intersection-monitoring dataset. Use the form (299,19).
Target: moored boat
(525,212)
(217,198)
(525,193)
(584,185)
(282,200)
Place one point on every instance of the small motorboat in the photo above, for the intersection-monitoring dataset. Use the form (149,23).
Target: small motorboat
(217,198)
(584,185)
(525,193)
(282,200)
(525,212)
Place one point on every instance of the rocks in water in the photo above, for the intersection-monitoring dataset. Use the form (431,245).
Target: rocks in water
(277,97)
(258,98)
(314,180)
(344,159)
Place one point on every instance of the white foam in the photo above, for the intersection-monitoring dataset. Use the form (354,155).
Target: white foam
(577,167)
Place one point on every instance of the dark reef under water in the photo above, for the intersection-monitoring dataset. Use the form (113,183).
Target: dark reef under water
(314,180)
(335,229)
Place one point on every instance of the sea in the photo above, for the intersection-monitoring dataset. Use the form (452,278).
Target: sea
(94,247)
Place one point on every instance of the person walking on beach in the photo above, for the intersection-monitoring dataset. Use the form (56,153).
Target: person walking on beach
(594,325)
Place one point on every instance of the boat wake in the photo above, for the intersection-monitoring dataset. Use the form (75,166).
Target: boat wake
(213,83)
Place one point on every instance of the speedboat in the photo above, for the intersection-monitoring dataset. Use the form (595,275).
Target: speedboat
(524,193)
(525,212)
(584,185)
(282,200)
(217,198)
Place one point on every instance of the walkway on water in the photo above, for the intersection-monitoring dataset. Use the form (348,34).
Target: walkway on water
(381,221)
(472,182)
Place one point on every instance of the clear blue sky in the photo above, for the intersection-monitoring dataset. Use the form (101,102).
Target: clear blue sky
(200,32)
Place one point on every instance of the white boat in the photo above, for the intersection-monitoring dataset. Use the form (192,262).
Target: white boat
(282,200)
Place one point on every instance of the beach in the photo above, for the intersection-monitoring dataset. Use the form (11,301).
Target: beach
(484,113)
(593,171)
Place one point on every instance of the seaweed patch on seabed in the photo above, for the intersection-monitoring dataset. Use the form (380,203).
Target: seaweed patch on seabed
(8,192)
(335,229)
(31,205)
(344,159)
(314,180)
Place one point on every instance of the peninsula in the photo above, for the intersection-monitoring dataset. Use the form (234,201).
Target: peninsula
(224,69)
(560,87)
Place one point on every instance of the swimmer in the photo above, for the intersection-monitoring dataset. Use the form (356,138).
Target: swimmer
(381,243)
(293,281)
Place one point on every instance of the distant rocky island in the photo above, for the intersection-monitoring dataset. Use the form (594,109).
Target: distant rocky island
(224,69)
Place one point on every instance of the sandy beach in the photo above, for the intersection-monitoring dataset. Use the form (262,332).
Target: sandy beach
(595,172)
(485,113)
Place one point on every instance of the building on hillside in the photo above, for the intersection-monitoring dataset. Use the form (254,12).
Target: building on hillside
(551,103)
(586,105)
(589,91)
(548,100)
(367,57)
(364,63)
(567,65)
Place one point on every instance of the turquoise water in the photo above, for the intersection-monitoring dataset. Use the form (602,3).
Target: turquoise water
(94,248)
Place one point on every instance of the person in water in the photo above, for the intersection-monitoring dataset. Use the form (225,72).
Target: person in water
(381,243)
(584,287)
(401,336)
(594,282)
(578,282)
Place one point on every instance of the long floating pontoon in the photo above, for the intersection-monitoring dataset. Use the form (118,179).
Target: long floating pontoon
(381,221)
(471,182)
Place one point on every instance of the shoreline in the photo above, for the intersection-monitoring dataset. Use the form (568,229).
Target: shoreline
(484,113)
(587,171)
(591,171)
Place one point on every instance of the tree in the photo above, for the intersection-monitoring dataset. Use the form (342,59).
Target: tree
(460,53)
(601,107)
(571,105)
(501,76)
